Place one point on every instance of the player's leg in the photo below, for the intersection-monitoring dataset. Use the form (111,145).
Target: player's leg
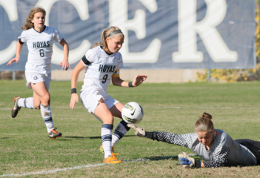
(36,101)
(101,147)
(122,127)
(22,103)
(41,99)
(16,108)
(106,116)
(115,108)
(253,146)
(27,102)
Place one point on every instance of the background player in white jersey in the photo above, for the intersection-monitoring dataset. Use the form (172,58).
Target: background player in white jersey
(39,39)
(102,65)
(214,146)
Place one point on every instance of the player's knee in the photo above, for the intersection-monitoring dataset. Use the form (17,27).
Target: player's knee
(45,99)
(36,106)
(108,120)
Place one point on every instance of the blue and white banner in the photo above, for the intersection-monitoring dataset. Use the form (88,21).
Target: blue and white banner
(159,34)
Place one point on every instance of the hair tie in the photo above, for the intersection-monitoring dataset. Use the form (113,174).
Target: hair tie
(114,32)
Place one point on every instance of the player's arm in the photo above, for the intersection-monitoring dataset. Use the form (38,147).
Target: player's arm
(19,46)
(220,159)
(74,78)
(139,79)
(65,63)
(202,165)
(185,140)
(117,81)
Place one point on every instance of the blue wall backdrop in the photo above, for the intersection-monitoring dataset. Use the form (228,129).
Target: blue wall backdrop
(160,34)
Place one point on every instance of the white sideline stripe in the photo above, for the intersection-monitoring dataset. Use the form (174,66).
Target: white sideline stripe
(52,171)
(86,166)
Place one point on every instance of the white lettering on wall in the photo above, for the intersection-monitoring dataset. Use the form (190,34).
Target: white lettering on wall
(11,10)
(188,27)
(118,17)
(151,5)
(75,54)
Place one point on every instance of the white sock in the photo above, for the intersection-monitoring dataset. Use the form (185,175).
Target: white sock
(47,117)
(119,132)
(106,134)
(26,103)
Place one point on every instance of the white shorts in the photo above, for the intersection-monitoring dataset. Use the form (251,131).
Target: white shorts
(36,78)
(90,99)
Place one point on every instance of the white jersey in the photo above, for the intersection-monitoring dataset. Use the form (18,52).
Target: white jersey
(100,67)
(40,47)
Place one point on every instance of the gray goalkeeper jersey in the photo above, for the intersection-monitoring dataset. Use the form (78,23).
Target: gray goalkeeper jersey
(224,151)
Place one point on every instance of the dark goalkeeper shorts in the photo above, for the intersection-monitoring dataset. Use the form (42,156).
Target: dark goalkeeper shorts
(253,146)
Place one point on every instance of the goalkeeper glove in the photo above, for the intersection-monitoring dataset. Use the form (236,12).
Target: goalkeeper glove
(138,131)
(187,161)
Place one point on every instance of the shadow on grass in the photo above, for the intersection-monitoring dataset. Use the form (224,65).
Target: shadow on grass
(154,158)
(157,158)
(95,137)
(5,137)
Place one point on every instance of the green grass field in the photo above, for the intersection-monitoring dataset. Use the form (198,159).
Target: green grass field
(27,151)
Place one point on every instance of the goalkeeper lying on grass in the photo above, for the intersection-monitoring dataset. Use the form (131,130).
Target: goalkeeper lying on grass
(214,146)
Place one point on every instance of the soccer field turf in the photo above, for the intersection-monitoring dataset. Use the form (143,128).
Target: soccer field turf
(27,149)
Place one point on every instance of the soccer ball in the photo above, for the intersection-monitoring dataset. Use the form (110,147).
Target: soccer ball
(132,113)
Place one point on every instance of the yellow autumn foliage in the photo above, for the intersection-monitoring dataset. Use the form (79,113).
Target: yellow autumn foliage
(233,75)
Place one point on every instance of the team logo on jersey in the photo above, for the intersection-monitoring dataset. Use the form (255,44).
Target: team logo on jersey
(35,77)
(41,44)
(107,68)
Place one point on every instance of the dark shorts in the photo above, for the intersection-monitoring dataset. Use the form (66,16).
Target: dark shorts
(253,146)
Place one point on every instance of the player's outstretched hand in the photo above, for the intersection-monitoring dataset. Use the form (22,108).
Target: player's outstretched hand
(139,79)
(188,162)
(74,98)
(16,59)
(65,65)
(140,132)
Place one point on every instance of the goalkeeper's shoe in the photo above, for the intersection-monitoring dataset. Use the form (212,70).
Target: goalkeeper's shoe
(16,108)
(101,149)
(112,159)
(54,134)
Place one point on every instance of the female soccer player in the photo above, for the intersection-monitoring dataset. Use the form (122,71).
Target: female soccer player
(39,39)
(102,63)
(214,146)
